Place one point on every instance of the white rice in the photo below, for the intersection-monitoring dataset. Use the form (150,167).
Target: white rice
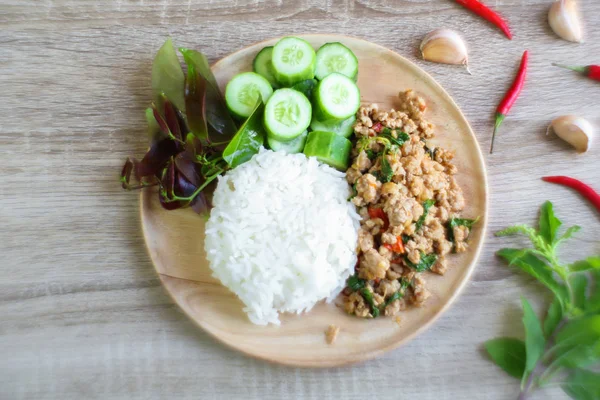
(282,235)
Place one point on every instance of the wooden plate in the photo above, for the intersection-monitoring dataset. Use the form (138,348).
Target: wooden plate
(175,239)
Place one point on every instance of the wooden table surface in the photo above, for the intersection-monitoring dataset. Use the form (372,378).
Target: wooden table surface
(83,315)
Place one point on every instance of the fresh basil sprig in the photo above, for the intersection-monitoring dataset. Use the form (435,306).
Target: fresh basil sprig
(565,348)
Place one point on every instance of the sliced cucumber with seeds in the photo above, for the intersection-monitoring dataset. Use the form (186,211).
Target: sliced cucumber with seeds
(329,148)
(287,114)
(293,61)
(263,65)
(293,146)
(335,57)
(337,97)
(242,93)
(343,128)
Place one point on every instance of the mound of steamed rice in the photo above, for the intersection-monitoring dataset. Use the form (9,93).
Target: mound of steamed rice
(282,235)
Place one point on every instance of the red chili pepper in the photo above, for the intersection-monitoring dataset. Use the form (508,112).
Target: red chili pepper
(487,14)
(591,71)
(397,247)
(511,96)
(377,127)
(583,189)
(375,212)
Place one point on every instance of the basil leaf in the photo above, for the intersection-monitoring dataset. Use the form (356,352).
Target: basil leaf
(580,356)
(306,87)
(579,283)
(167,76)
(217,114)
(399,140)
(586,265)
(592,305)
(195,102)
(426,206)
(534,337)
(553,317)
(569,233)
(425,263)
(454,222)
(577,332)
(248,140)
(386,170)
(355,283)
(583,385)
(509,354)
(549,224)
(368,296)
(528,262)
(399,294)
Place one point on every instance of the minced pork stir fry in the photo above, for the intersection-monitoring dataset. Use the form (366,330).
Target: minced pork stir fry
(410,203)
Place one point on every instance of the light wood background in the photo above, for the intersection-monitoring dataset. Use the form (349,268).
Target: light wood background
(82,313)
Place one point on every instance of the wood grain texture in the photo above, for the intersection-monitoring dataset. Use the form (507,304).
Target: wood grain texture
(83,312)
(176,239)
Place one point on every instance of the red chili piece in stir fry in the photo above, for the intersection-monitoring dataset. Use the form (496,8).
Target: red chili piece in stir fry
(511,96)
(583,189)
(591,71)
(487,14)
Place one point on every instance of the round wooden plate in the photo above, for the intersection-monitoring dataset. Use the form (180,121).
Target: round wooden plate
(175,239)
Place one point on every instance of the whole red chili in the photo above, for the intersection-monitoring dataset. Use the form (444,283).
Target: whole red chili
(487,14)
(583,189)
(511,96)
(591,71)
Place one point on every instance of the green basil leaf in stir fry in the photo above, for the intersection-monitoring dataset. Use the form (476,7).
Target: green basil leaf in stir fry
(248,140)
(426,206)
(425,263)
(355,283)
(399,294)
(368,296)
(386,170)
(399,140)
(454,222)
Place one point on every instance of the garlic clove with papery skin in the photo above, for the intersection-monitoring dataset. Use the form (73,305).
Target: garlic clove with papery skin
(444,46)
(565,21)
(576,131)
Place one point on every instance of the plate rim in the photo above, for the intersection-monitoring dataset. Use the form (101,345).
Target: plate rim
(366,356)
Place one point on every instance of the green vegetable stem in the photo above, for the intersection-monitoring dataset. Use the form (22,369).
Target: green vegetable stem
(565,348)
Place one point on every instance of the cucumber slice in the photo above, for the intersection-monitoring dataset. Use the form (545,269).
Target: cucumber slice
(291,147)
(337,97)
(335,57)
(293,61)
(242,93)
(329,148)
(343,128)
(263,65)
(287,114)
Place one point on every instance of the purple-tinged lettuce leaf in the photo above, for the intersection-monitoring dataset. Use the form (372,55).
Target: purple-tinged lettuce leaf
(195,103)
(172,120)
(217,115)
(187,167)
(167,76)
(157,157)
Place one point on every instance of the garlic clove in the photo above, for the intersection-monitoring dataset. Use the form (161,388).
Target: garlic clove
(444,46)
(565,21)
(576,131)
